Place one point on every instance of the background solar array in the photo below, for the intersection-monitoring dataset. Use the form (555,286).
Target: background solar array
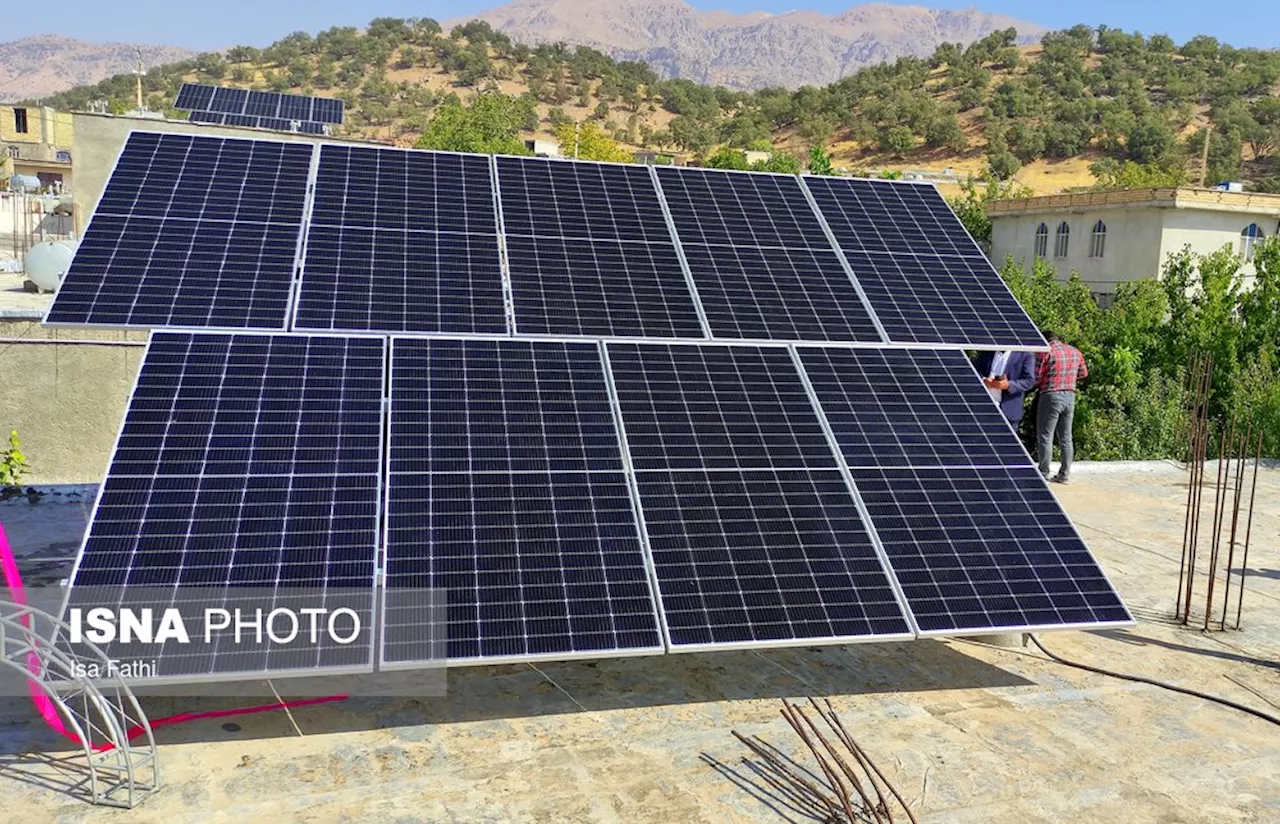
(925,278)
(255,122)
(507,493)
(402,242)
(754,534)
(194,97)
(244,461)
(590,253)
(762,265)
(191,231)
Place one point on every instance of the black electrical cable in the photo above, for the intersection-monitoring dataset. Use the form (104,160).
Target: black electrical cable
(1164,685)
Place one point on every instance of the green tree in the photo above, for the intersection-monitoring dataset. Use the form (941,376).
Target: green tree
(820,162)
(588,141)
(490,125)
(727,158)
(781,162)
(899,140)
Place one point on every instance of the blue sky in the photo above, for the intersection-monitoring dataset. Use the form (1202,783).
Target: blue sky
(231,22)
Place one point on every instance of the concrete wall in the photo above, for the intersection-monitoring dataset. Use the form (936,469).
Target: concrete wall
(65,391)
(44,125)
(99,138)
(1206,232)
(1132,250)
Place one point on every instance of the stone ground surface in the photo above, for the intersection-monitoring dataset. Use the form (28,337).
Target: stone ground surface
(967,732)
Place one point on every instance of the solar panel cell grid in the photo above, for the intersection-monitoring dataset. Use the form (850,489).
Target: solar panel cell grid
(717,207)
(208,178)
(148,272)
(501,406)
(570,287)
(402,242)
(760,259)
(244,461)
(689,407)
(262,104)
(899,407)
(764,556)
(946,300)
(229,101)
(890,218)
(590,253)
(507,493)
(778,294)
(194,97)
(985,549)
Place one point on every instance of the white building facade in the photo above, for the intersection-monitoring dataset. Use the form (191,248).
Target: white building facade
(1113,237)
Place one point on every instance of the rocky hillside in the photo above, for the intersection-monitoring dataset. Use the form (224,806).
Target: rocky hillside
(747,51)
(45,64)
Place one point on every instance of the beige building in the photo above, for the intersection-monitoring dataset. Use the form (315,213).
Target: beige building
(1112,237)
(36,141)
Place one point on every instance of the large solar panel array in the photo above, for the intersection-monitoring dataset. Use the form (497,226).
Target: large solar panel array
(194,97)
(581,493)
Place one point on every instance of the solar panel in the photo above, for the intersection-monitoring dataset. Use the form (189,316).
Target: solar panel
(905,407)
(716,407)
(207,117)
(924,277)
(194,97)
(506,493)
(190,231)
(402,241)
(590,253)
(760,259)
(755,536)
(244,461)
(985,549)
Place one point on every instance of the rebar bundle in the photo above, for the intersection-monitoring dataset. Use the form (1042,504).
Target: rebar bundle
(1236,440)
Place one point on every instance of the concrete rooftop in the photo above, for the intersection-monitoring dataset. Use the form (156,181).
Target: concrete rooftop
(966,731)
(15,302)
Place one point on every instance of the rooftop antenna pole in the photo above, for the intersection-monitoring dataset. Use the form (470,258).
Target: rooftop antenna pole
(138,73)
(1204,157)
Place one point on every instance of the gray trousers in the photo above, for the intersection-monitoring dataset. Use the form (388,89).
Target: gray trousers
(1054,413)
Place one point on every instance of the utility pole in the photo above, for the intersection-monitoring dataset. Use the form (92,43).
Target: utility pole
(138,74)
(1204,157)
(577,126)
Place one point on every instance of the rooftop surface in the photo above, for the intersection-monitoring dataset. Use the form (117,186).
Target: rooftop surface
(966,731)
(16,302)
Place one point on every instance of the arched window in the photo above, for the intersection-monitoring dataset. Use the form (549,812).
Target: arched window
(1061,240)
(1042,241)
(1250,239)
(1098,240)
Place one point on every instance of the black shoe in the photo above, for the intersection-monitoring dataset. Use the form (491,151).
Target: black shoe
(1059,479)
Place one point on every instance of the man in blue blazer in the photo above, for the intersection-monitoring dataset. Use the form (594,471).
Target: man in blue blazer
(1008,376)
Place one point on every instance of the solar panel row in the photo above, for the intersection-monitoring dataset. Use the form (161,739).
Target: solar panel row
(418,242)
(255,122)
(578,499)
(195,97)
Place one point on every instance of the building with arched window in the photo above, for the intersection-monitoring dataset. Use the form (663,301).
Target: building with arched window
(1130,234)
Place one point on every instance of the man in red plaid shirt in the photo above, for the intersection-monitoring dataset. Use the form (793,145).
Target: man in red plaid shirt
(1057,373)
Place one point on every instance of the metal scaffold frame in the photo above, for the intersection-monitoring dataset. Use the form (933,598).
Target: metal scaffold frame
(98,714)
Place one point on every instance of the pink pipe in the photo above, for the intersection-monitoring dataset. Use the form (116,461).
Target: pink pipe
(49,712)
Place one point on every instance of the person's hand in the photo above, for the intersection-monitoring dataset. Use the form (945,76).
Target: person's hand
(996,383)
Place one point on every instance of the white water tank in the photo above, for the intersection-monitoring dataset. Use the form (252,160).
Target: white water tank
(47,262)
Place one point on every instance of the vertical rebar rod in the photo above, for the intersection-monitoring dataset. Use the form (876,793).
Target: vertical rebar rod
(1248,529)
(1235,519)
(1201,471)
(1219,511)
(1189,407)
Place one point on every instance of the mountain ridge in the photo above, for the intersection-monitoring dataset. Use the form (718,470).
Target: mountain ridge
(45,64)
(751,50)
